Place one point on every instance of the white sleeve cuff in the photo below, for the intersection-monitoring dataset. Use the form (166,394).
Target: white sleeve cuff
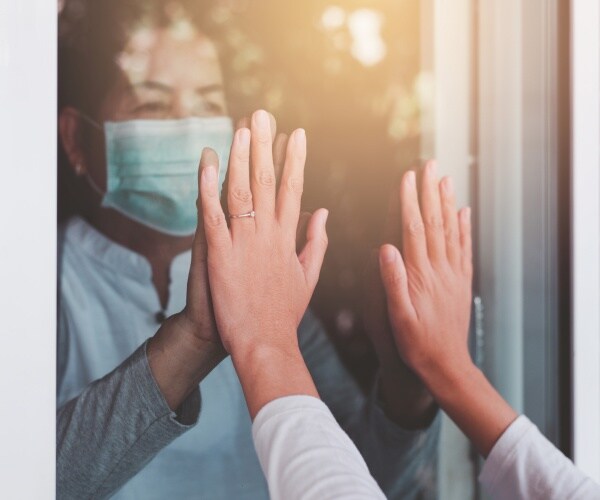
(305,454)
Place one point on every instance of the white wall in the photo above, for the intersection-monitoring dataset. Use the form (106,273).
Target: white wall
(585,91)
(27,247)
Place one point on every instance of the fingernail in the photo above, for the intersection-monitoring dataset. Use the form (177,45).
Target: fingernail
(261,119)
(325,217)
(410,178)
(448,185)
(433,167)
(243,137)
(209,173)
(300,138)
(467,214)
(387,255)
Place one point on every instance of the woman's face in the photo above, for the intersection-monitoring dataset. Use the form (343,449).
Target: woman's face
(168,73)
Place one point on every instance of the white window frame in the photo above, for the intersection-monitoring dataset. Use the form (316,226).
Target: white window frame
(446,126)
(28,248)
(585,143)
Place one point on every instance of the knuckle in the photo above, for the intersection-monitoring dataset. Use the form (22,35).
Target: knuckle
(263,140)
(450,235)
(242,157)
(394,278)
(415,228)
(299,156)
(435,223)
(215,220)
(242,194)
(295,185)
(266,178)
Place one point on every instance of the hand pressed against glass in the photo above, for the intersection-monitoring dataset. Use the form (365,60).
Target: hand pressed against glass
(260,285)
(429,286)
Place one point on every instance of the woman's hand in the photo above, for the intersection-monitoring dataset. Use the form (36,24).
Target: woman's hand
(428,287)
(260,285)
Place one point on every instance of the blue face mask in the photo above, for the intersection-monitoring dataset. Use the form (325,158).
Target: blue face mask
(152,168)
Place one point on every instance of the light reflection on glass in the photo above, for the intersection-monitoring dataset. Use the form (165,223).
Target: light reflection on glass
(365,27)
(333,18)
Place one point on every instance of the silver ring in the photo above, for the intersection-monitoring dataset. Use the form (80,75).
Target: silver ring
(251,214)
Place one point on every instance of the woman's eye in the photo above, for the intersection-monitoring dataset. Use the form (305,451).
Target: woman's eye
(214,107)
(210,108)
(151,107)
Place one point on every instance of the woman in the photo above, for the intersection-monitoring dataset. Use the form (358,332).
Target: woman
(141,93)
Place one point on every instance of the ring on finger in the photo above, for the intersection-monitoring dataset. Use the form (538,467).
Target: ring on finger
(247,215)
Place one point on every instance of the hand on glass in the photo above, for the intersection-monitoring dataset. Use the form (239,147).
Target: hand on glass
(429,285)
(188,346)
(428,289)
(406,399)
(260,284)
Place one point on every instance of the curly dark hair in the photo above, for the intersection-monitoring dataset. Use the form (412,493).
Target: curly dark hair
(91,35)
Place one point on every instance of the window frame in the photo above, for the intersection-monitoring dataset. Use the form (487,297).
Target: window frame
(28,70)
(585,236)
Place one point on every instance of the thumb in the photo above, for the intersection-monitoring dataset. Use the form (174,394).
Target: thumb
(313,253)
(395,282)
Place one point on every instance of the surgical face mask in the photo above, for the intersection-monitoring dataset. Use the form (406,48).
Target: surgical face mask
(152,168)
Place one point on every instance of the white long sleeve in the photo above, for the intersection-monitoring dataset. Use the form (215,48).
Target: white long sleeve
(523,464)
(305,454)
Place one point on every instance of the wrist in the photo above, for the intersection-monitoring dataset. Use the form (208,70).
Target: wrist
(179,360)
(444,378)
(185,330)
(263,349)
(271,370)
(405,399)
(255,340)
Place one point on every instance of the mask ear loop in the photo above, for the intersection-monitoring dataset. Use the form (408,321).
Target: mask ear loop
(91,121)
(88,178)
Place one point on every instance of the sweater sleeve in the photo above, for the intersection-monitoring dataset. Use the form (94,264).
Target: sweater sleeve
(403,462)
(306,455)
(524,464)
(115,427)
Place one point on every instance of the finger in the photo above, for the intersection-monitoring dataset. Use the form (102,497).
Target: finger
(414,243)
(239,196)
(466,240)
(392,232)
(243,122)
(262,178)
(395,282)
(215,224)
(313,253)
(301,230)
(375,308)
(208,157)
(432,214)
(450,221)
(246,122)
(279,151)
(289,198)
(273,125)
